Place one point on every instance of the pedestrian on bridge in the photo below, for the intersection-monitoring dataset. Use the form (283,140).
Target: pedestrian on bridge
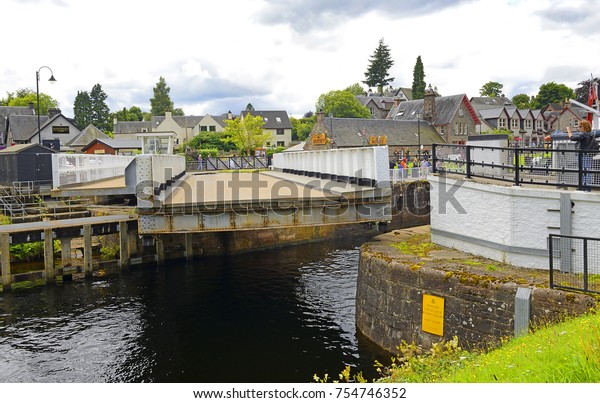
(200,162)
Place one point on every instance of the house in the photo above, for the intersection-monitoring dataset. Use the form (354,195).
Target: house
(88,134)
(277,123)
(23,129)
(330,132)
(113,146)
(493,119)
(5,112)
(379,105)
(453,117)
(559,116)
(480,103)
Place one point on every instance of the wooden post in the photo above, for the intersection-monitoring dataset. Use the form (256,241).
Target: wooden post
(160,249)
(49,256)
(123,245)
(5,261)
(88,269)
(65,252)
(189,246)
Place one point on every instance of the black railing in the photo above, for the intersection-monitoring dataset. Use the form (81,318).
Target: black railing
(574,263)
(224,163)
(559,167)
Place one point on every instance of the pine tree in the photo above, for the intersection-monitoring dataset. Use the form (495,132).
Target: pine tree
(82,109)
(99,110)
(379,66)
(161,102)
(418,85)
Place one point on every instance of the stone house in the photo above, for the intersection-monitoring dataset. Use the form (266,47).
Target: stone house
(277,123)
(23,129)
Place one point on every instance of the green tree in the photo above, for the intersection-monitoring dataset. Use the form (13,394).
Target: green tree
(247,133)
(581,92)
(552,93)
(249,107)
(356,89)
(379,67)
(161,102)
(26,96)
(342,104)
(99,110)
(491,89)
(82,109)
(133,114)
(522,101)
(302,127)
(418,85)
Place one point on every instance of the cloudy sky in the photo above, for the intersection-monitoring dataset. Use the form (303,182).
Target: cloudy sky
(218,56)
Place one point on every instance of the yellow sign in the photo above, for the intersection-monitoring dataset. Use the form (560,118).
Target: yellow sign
(433,315)
(377,140)
(319,139)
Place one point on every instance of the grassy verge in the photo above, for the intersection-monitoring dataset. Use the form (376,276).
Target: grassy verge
(565,352)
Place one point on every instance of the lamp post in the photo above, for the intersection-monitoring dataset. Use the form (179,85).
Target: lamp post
(37,92)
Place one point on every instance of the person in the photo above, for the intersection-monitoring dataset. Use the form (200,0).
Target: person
(199,162)
(586,142)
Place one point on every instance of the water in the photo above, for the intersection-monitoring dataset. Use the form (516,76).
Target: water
(276,316)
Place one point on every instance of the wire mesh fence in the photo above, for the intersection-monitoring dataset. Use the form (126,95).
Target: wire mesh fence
(575,263)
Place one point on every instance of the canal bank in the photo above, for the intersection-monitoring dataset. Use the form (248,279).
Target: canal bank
(411,290)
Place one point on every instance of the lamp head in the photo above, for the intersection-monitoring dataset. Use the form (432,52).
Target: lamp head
(52,79)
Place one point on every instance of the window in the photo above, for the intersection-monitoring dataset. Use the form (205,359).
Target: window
(279,131)
(502,123)
(203,128)
(514,123)
(461,112)
(278,119)
(280,144)
(528,123)
(212,128)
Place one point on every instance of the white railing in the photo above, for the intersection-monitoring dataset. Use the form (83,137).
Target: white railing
(69,169)
(364,163)
(409,174)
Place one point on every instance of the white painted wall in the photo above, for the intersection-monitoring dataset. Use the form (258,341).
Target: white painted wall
(506,223)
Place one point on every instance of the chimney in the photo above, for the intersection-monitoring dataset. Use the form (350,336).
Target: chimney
(396,101)
(229,115)
(429,104)
(320,117)
(53,112)
(168,114)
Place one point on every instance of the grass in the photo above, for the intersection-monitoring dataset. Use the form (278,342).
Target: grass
(560,353)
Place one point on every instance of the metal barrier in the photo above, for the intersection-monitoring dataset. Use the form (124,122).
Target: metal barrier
(537,166)
(574,263)
(223,163)
(79,168)
(409,174)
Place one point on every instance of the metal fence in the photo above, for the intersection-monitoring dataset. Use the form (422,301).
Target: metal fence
(78,168)
(561,166)
(409,174)
(223,163)
(575,263)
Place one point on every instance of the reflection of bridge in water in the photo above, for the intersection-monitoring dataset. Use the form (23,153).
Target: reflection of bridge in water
(302,189)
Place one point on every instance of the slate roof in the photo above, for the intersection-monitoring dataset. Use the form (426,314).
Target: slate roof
(445,109)
(116,144)
(18,148)
(490,102)
(399,133)
(132,127)
(24,127)
(183,121)
(271,119)
(88,134)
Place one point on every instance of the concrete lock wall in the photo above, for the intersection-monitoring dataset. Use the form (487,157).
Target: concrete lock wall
(508,223)
(389,304)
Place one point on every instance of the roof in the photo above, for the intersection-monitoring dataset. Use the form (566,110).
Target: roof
(490,102)
(26,147)
(183,121)
(345,132)
(24,127)
(273,119)
(132,127)
(116,144)
(445,109)
(88,134)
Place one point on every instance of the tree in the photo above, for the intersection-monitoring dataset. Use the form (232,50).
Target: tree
(379,66)
(491,89)
(247,133)
(418,85)
(133,114)
(581,92)
(82,109)
(356,89)
(161,102)
(26,96)
(249,107)
(302,127)
(522,101)
(552,93)
(99,110)
(342,104)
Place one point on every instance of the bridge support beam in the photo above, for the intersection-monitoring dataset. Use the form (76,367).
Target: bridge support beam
(49,270)
(189,247)
(124,253)
(65,252)
(160,250)
(88,269)
(5,261)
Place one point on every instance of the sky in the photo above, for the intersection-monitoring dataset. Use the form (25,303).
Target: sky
(219,56)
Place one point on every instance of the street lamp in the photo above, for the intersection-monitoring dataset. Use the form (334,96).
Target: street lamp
(37,91)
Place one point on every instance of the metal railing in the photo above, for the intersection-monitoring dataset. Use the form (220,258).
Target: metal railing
(559,167)
(409,174)
(223,163)
(80,168)
(574,263)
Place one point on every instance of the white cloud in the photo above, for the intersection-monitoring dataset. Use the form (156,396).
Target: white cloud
(220,56)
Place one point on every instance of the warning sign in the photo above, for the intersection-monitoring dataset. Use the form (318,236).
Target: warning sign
(433,315)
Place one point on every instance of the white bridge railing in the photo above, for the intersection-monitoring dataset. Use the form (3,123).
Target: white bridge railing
(69,169)
(365,165)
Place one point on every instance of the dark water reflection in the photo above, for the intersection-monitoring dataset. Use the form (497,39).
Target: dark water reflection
(277,316)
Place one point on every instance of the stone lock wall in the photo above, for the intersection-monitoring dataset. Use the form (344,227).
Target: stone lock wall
(479,310)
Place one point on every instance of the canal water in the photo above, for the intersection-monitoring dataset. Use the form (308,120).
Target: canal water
(274,316)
